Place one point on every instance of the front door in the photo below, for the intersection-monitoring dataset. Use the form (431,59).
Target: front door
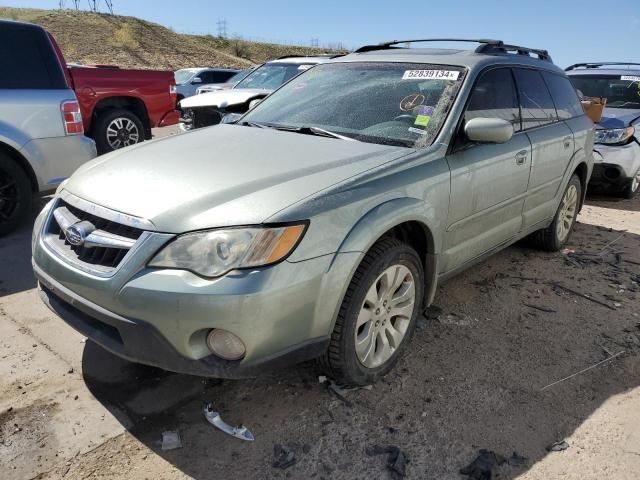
(488,181)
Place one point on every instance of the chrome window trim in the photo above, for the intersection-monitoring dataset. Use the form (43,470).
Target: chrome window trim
(106,213)
(63,256)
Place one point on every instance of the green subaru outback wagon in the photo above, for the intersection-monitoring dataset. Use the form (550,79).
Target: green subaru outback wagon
(319,224)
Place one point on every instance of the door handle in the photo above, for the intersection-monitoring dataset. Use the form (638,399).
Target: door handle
(567,142)
(521,157)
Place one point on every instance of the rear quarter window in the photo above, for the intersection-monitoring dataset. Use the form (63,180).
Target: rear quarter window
(564,96)
(28,60)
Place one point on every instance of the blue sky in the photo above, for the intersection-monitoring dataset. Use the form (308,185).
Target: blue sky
(572,30)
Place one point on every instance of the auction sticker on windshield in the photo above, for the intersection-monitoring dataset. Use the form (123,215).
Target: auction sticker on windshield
(633,78)
(430,75)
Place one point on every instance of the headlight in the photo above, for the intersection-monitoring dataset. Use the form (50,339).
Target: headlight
(614,136)
(216,252)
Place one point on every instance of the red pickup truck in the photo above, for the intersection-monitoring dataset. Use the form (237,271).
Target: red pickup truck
(120,107)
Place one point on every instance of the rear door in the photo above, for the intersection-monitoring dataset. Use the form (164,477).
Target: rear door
(32,85)
(488,181)
(552,145)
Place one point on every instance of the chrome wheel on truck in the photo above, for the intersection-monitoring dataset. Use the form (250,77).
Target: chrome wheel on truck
(122,132)
(117,128)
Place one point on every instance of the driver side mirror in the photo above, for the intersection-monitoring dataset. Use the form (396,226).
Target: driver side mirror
(196,80)
(488,130)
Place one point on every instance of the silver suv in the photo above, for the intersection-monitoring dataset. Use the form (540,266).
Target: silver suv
(41,133)
(323,220)
(617,136)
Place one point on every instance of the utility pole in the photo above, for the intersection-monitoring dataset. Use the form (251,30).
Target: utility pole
(222,28)
(109,4)
(93,5)
(76,4)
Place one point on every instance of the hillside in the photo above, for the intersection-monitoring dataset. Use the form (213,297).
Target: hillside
(93,38)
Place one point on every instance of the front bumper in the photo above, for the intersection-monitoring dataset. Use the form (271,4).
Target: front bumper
(284,313)
(616,165)
(141,342)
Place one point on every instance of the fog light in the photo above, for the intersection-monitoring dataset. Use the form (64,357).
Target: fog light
(225,344)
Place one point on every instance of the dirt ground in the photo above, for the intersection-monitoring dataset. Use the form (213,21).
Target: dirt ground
(486,372)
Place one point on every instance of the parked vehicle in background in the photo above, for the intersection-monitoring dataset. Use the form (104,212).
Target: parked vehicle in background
(209,108)
(617,137)
(189,79)
(41,141)
(121,106)
(232,82)
(321,223)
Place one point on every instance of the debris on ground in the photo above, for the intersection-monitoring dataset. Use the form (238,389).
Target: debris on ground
(432,312)
(171,440)
(240,431)
(396,461)
(516,460)
(558,446)
(582,295)
(483,467)
(283,457)
(341,391)
(540,307)
(457,320)
(583,370)
(421,323)
(322,379)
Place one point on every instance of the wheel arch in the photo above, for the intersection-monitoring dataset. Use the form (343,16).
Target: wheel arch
(582,171)
(133,104)
(23,163)
(403,219)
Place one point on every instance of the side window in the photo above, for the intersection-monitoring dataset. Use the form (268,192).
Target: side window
(535,100)
(494,96)
(206,77)
(27,60)
(564,96)
(221,77)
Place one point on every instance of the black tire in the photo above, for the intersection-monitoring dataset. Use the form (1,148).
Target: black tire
(548,238)
(15,194)
(630,190)
(101,124)
(340,360)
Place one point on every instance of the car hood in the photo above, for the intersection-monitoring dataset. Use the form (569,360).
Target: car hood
(618,117)
(222,176)
(223,98)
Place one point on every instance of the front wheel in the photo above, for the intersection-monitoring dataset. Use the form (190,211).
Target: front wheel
(117,128)
(378,314)
(556,235)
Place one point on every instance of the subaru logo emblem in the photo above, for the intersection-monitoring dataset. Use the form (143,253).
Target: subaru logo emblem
(77,233)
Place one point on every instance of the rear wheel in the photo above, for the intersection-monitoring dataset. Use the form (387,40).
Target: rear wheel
(557,234)
(117,128)
(15,194)
(378,314)
(632,187)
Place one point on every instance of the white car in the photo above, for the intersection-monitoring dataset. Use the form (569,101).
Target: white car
(209,108)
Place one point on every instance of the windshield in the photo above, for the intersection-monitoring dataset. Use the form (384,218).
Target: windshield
(239,76)
(184,75)
(402,104)
(271,75)
(621,91)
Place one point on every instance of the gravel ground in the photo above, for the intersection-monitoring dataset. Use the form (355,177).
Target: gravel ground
(476,376)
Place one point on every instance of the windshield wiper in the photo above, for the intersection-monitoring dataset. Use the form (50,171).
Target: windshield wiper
(320,132)
(249,123)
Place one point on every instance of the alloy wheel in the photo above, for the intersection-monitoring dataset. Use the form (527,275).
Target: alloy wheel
(567,213)
(385,316)
(122,132)
(9,196)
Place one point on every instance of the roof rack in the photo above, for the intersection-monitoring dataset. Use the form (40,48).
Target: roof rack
(487,46)
(326,55)
(597,65)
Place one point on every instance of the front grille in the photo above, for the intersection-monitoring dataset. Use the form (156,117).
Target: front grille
(108,258)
